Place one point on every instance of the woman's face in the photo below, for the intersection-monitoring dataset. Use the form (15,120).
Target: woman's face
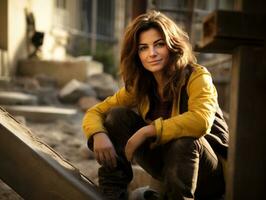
(153,51)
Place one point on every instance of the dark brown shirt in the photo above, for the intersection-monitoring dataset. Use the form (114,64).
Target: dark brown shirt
(159,109)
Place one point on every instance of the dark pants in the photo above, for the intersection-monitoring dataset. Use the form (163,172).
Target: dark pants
(187,167)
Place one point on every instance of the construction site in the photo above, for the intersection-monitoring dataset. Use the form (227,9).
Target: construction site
(59,58)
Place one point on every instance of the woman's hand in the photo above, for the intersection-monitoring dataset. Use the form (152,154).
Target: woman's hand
(137,139)
(104,150)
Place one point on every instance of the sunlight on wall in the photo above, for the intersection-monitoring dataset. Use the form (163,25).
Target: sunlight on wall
(54,40)
(16,32)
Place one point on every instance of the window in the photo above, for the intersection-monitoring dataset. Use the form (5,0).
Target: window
(104,19)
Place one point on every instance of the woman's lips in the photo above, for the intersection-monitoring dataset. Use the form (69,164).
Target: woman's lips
(155,61)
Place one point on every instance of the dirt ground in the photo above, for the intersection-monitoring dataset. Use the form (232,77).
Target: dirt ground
(66,138)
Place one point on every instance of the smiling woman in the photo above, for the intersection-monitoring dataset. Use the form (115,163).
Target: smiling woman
(174,134)
(153,53)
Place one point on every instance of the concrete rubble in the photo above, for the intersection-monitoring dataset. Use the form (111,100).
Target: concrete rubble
(41,113)
(75,89)
(76,68)
(103,84)
(11,98)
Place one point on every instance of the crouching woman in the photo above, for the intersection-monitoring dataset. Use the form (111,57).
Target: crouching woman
(166,117)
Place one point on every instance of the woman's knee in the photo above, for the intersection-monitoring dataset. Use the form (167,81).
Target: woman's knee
(181,154)
(122,118)
(185,144)
(114,115)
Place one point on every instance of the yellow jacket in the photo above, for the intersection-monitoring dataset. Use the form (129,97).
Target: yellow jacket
(196,122)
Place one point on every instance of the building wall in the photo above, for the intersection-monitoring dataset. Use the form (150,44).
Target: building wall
(42,11)
(56,23)
(46,20)
(73,8)
(16,32)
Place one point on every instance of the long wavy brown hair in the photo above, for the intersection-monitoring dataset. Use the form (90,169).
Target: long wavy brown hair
(139,80)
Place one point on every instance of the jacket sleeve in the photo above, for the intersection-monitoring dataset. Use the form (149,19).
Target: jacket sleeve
(197,121)
(94,117)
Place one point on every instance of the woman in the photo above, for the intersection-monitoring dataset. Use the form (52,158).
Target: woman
(173,133)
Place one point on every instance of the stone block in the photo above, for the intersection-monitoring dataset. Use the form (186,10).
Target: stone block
(41,113)
(74,90)
(61,71)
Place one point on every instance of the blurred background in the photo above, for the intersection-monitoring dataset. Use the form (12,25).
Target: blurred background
(60,57)
(87,33)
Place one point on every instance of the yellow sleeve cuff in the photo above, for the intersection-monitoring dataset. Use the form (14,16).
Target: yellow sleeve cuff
(159,129)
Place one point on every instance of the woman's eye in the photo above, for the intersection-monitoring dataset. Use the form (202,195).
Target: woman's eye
(142,48)
(160,44)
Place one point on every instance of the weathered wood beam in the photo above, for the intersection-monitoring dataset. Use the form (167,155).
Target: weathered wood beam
(36,171)
(138,7)
(247,152)
(243,35)
(223,31)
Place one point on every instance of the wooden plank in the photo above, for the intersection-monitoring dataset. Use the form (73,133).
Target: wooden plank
(224,45)
(223,31)
(36,171)
(233,24)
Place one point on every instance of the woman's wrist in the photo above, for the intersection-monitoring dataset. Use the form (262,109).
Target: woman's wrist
(98,134)
(150,131)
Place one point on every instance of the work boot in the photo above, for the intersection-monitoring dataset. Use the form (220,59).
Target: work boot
(144,193)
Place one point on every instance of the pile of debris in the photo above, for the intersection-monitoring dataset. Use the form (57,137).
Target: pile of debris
(55,114)
(41,92)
